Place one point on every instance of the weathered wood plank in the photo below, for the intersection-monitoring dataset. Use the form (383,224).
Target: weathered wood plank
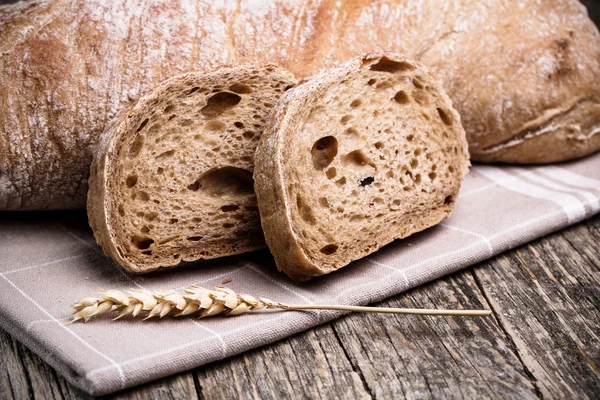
(23,375)
(308,365)
(435,357)
(177,387)
(547,298)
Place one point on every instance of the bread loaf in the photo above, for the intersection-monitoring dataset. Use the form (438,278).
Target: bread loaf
(171,179)
(525,76)
(355,157)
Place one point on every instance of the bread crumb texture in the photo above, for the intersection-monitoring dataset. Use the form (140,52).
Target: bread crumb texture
(178,169)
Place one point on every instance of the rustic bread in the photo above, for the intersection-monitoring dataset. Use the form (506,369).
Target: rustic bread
(524,75)
(355,157)
(171,180)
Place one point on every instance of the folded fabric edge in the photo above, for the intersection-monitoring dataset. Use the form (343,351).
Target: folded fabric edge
(63,367)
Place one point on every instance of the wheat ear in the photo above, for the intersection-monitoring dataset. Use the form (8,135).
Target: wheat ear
(207,303)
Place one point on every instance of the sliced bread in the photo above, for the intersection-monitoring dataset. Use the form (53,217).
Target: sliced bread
(171,180)
(355,157)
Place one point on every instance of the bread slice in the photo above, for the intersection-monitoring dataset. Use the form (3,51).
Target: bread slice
(171,180)
(355,157)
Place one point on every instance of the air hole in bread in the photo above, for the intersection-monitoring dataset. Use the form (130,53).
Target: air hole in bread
(324,151)
(136,147)
(143,124)
(410,138)
(131,180)
(344,120)
(228,225)
(191,91)
(230,208)
(121,210)
(214,126)
(421,98)
(238,124)
(331,173)
(145,229)
(418,179)
(240,88)
(186,122)
(218,103)
(151,216)
(169,109)
(371,82)
(173,221)
(144,196)
(194,238)
(367,181)
(324,202)
(341,181)
(329,249)
(383,85)
(356,218)
(305,211)
(432,176)
(142,242)
(226,181)
(401,97)
(417,83)
(355,103)
(248,135)
(358,158)
(444,116)
(379,145)
(165,154)
(194,186)
(352,131)
(448,200)
(386,65)
(451,168)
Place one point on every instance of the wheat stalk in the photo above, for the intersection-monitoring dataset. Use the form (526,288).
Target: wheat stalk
(207,303)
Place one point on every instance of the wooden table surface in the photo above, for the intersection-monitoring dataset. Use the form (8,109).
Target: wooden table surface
(541,342)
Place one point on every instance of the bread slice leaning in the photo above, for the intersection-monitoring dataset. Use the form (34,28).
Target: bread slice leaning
(171,180)
(355,157)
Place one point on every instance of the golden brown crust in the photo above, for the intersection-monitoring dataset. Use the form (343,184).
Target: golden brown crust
(68,66)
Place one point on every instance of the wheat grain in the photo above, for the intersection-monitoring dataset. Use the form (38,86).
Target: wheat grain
(207,303)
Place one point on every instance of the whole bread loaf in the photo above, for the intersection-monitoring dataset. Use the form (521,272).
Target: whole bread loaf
(524,75)
(355,157)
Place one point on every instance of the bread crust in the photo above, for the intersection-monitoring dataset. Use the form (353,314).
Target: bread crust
(68,66)
(273,181)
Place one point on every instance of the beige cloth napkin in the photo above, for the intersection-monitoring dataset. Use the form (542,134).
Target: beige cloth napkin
(50,260)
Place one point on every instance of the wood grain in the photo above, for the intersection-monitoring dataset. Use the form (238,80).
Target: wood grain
(542,341)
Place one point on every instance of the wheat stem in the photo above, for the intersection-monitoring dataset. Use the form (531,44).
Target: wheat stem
(387,310)
(202,302)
